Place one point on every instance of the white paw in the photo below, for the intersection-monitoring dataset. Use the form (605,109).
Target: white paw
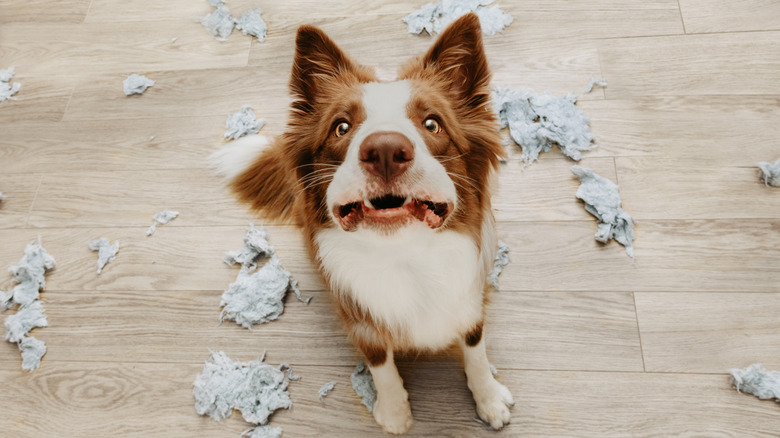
(493,402)
(394,415)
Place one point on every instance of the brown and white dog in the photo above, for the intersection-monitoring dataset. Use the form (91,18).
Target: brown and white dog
(390,182)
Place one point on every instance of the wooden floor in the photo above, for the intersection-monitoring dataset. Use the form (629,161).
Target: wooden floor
(591,343)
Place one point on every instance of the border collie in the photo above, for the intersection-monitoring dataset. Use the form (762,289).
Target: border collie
(390,184)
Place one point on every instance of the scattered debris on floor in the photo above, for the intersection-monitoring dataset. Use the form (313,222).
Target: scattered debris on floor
(242,123)
(136,84)
(7,88)
(363,384)
(106,251)
(593,82)
(2,196)
(435,16)
(257,297)
(220,22)
(493,370)
(602,200)
(770,173)
(537,121)
(255,388)
(502,259)
(757,381)
(326,389)
(162,218)
(30,276)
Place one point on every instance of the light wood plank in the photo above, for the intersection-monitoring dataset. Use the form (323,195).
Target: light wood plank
(692,255)
(738,131)
(136,47)
(715,64)
(174,258)
(21,11)
(116,145)
(667,188)
(124,398)
(42,99)
(545,190)
(724,16)
(91,199)
(708,333)
(19,191)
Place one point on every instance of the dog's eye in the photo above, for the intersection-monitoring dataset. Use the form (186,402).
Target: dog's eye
(342,129)
(432,125)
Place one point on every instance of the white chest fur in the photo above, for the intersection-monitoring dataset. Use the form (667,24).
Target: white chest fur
(424,285)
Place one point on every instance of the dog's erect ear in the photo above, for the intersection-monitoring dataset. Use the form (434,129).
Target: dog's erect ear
(317,59)
(458,55)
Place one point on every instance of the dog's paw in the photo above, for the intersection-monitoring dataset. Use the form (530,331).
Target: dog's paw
(394,415)
(493,403)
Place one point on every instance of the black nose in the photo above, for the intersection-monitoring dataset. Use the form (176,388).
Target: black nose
(386,154)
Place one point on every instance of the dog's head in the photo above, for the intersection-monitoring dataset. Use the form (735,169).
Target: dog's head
(382,155)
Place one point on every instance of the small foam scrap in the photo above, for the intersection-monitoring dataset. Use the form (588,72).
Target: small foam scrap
(242,123)
(770,173)
(7,88)
(757,381)
(435,16)
(593,82)
(538,121)
(251,23)
(363,384)
(502,259)
(256,246)
(256,298)
(106,251)
(326,389)
(33,351)
(602,200)
(219,22)
(255,388)
(26,318)
(2,196)
(136,84)
(161,218)
(263,432)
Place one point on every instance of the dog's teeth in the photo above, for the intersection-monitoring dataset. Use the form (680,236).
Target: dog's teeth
(407,200)
(368,203)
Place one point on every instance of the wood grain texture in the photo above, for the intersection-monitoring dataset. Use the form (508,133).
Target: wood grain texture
(591,342)
(723,16)
(708,333)
(716,64)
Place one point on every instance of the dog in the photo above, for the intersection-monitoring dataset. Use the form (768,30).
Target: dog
(390,183)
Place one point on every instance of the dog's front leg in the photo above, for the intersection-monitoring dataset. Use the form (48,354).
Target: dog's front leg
(391,410)
(493,399)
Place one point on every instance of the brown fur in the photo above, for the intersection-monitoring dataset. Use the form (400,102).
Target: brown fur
(450,82)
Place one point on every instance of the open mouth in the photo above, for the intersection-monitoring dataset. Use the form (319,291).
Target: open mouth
(391,210)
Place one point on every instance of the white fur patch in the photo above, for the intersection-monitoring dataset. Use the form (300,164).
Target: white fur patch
(386,110)
(424,285)
(235,158)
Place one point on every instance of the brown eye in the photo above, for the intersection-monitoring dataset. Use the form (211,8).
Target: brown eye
(432,125)
(342,129)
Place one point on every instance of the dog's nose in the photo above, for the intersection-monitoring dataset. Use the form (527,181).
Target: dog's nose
(386,154)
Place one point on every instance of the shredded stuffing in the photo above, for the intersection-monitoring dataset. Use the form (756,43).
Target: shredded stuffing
(220,22)
(770,172)
(602,200)
(106,252)
(263,432)
(593,82)
(255,388)
(435,16)
(162,218)
(757,381)
(538,121)
(256,297)
(242,123)
(502,259)
(326,389)
(7,88)
(29,273)
(363,384)
(136,84)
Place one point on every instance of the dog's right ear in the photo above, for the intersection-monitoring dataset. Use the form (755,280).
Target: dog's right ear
(317,60)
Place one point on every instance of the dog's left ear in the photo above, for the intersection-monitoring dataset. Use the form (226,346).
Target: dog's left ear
(459,57)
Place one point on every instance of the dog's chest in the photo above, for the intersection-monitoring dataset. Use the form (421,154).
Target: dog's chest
(424,286)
